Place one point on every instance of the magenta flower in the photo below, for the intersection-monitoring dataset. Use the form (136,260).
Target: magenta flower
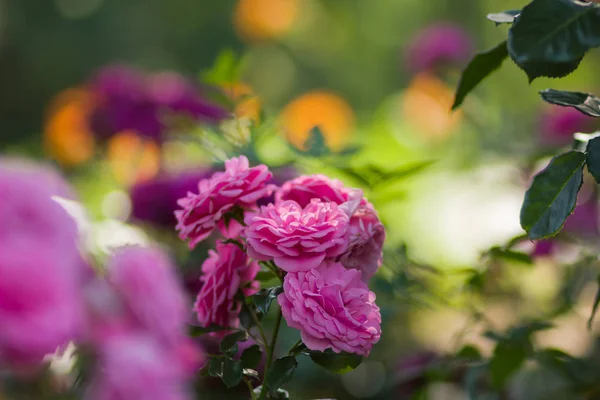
(239,186)
(128,99)
(296,238)
(144,280)
(307,187)
(333,309)
(40,268)
(136,366)
(558,124)
(366,235)
(442,43)
(225,272)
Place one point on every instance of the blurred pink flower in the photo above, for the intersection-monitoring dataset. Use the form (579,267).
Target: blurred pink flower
(366,236)
(332,308)
(296,238)
(307,187)
(40,267)
(226,271)
(135,366)
(558,124)
(239,186)
(145,281)
(439,44)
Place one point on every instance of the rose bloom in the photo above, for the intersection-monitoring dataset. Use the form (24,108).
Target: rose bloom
(135,366)
(144,279)
(225,272)
(296,238)
(239,186)
(333,309)
(366,233)
(366,236)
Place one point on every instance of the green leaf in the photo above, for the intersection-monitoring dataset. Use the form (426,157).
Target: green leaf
(245,317)
(510,255)
(232,372)
(507,359)
(584,102)
(552,195)
(199,330)
(229,343)
(595,306)
(280,372)
(337,363)
(550,37)
(470,353)
(265,297)
(215,367)
(479,68)
(251,357)
(315,145)
(226,69)
(265,276)
(505,17)
(592,157)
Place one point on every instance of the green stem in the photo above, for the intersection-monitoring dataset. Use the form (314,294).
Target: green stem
(250,388)
(294,347)
(270,352)
(260,329)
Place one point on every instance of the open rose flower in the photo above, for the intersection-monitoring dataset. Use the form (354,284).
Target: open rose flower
(366,235)
(307,187)
(333,309)
(296,238)
(226,271)
(239,186)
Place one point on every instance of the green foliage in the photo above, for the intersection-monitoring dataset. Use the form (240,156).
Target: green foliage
(199,330)
(584,102)
(550,37)
(596,303)
(280,373)
(232,372)
(480,67)
(251,357)
(264,298)
(226,69)
(315,145)
(552,195)
(229,344)
(338,363)
(592,157)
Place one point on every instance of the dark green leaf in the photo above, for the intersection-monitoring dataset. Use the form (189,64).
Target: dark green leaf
(251,357)
(232,372)
(584,102)
(506,17)
(215,367)
(280,372)
(229,343)
(479,68)
(233,241)
(199,330)
(265,297)
(592,156)
(245,317)
(265,276)
(507,359)
(337,363)
(522,333)
(550,37)
(510,255)
(595,306)
(315,145)
(552,195)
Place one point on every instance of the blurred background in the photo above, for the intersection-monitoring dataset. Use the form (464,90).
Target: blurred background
(133,102)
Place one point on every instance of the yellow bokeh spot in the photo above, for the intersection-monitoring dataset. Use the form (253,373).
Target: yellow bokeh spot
(247,103)
(67,136)
(426,105)
(264,19)
(132,158)
(331,113)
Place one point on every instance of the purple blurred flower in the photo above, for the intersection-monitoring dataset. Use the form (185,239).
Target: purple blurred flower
(438,44)
(558,124)
(155,201)
(130,100)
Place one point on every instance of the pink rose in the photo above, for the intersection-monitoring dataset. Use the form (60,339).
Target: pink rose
(307,187)
(226,271)
(366,235)
(135,366)
(296,238)
(144,280)
(332,308)
(239,186)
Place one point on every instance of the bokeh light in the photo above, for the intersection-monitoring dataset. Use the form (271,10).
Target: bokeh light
(265,19)
(132,158)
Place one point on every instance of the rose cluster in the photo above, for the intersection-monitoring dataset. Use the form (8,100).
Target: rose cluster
(131,317)
(325,238)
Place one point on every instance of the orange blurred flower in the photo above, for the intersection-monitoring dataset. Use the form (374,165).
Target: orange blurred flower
(330,112)
(67,136)
(264,19)
(132,158)
(426,105)
(247,103)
